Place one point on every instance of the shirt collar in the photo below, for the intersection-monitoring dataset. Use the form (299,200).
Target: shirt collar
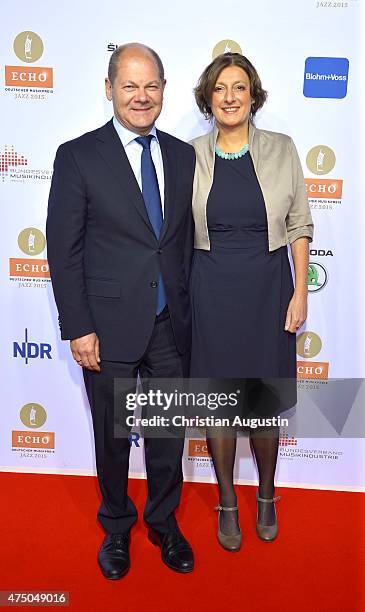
(127,136)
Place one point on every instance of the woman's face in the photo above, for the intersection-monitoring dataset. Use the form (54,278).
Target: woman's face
(231,98)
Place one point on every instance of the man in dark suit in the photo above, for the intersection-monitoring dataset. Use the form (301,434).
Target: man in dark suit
(119,234)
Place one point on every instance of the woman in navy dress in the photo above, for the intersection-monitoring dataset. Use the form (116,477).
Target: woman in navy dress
(249,202)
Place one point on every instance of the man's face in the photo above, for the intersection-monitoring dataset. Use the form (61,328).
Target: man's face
(137,91)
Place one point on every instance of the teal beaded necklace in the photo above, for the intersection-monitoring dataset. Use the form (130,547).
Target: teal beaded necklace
(239,153)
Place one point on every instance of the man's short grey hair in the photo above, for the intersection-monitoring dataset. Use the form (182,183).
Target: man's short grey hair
(115,56)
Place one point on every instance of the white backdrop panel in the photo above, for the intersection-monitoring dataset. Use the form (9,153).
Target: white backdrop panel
(277,37)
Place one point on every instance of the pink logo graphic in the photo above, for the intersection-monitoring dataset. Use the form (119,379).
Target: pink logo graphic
(10,159)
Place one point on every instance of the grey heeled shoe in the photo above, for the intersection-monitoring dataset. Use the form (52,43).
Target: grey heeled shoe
(267,533)
(233,542)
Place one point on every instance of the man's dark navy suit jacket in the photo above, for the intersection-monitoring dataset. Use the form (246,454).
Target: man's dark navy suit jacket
(103,254)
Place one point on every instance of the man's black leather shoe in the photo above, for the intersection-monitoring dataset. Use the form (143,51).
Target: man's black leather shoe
(113,556)
(176,552)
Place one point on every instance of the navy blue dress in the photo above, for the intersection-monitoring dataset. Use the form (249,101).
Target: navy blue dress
(241,291)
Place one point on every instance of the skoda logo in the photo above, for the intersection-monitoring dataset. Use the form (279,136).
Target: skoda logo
(317,276)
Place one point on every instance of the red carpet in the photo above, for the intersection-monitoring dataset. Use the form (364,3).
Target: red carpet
(50,538)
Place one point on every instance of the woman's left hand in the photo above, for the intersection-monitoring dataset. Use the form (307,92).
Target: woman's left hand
(297,312)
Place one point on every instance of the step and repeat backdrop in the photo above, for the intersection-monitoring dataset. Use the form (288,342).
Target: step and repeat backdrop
(54,60)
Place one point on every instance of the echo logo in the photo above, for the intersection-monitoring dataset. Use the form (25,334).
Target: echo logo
(24,439)
(198,448)
(32,76)
(317,370)
(34,268)
(28,46)
(31,350)
(324,188)
(326,77)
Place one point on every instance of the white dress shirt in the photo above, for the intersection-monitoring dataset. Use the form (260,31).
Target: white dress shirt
(134,151)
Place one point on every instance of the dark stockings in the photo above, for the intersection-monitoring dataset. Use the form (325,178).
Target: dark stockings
(222,445)
(265,445)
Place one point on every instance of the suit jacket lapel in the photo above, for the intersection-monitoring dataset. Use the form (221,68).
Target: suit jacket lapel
(170,175)
(112,151)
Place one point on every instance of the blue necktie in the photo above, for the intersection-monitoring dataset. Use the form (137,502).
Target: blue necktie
(152,200)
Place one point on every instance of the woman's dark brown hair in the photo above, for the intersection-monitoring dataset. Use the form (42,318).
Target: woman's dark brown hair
(204,89)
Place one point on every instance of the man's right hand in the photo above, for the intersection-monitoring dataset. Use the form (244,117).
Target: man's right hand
(85,351)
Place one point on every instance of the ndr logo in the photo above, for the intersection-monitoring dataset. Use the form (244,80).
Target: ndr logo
(31,350)
(326,77)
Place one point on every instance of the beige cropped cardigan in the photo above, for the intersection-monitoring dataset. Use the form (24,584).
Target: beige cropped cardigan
(280,176)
